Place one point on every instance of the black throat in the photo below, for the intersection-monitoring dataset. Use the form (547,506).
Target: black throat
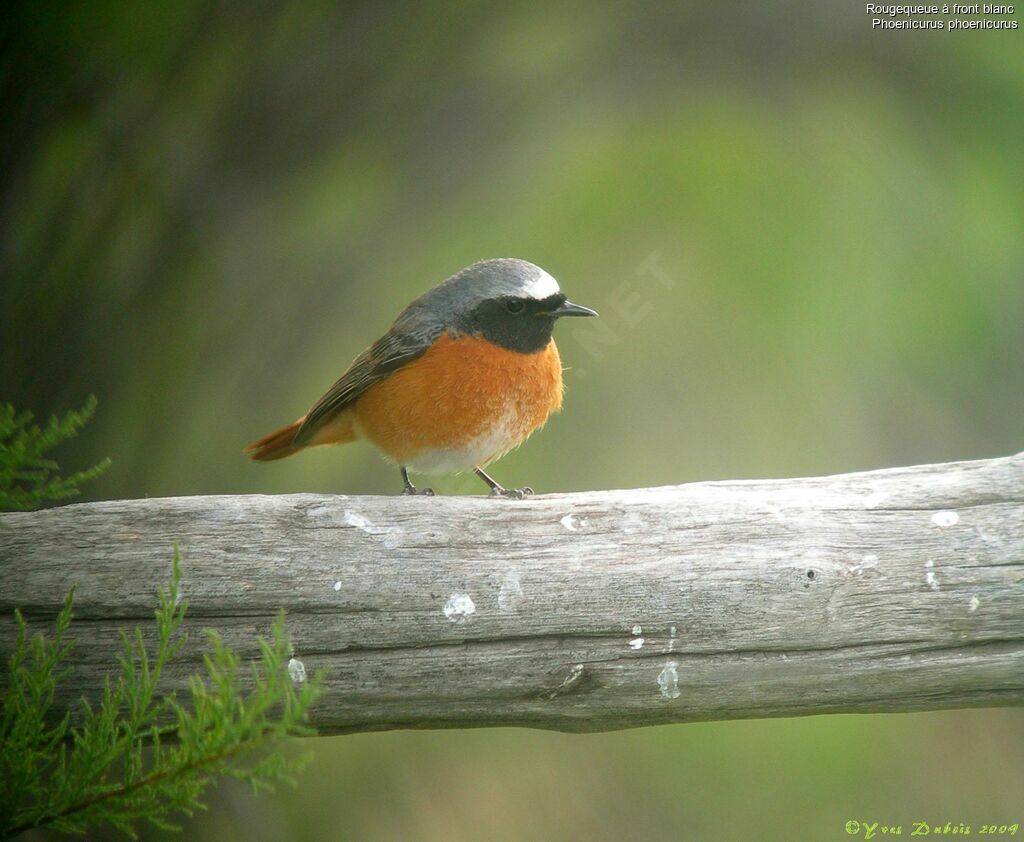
(527,331)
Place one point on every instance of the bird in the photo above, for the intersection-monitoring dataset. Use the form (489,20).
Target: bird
(467,372)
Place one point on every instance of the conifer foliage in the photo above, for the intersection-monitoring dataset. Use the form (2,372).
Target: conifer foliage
(140,752)
(28,478)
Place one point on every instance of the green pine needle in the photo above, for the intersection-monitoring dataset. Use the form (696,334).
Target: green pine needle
(27,477)
(138,753)
(141,754)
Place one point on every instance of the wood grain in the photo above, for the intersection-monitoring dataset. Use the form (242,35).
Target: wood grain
(891,590)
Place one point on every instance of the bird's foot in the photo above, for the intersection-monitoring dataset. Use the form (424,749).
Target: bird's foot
(410,489)
(498,490)
(512,493)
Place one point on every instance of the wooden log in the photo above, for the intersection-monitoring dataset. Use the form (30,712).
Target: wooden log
(892,590)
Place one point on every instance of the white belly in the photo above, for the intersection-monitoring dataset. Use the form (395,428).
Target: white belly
(474,453)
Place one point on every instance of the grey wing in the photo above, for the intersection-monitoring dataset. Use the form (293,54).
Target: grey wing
(407,340)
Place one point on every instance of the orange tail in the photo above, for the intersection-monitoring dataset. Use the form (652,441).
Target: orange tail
(338,430)
(276,445)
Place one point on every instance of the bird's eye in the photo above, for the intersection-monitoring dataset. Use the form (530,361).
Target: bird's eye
(515,305)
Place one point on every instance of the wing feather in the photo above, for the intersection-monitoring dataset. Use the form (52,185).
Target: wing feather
(409,338)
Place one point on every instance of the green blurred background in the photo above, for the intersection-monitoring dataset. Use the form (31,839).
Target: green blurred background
(806,240)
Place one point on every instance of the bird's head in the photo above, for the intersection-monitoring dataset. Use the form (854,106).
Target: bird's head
(509,302)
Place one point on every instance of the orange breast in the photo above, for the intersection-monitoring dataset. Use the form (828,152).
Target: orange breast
(466,398)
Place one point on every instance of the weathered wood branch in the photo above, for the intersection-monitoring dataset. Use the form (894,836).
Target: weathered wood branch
(891,590)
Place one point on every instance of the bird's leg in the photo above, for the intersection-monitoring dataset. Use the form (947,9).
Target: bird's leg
(410,488)
(498,491)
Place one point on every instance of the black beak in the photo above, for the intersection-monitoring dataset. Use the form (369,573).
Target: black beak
(567,308)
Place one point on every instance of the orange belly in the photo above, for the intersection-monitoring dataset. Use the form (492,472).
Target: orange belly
(461,405)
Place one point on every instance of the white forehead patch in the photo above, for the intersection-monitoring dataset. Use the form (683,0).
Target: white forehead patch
(542,286)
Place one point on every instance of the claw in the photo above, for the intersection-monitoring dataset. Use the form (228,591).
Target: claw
(497,490)
(410,489)
(512,493)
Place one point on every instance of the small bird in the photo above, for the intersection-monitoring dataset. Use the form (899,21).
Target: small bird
(465,374)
